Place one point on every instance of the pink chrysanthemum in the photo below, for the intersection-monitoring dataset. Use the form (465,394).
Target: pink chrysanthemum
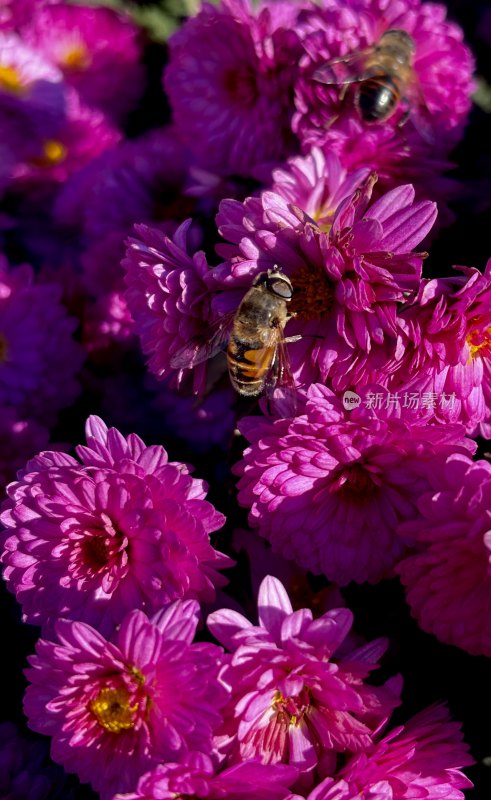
(423,758)
(448,580)
(96,49)
(117,708)
(329,487)
(196,777)
(123,529)
(298,696)
(141,180)
(202,422)
(20,439)
(317,183)
(25,768)
(106,322)
(38,356)
(442,63)
(32,97)
(446,347)
(14,14)
(230,83)
(167,296)
(348,280)
(84,134)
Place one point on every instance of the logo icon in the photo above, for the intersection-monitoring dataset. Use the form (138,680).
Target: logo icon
(351,400)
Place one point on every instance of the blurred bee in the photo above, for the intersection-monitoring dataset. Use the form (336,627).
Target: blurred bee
(385,76)
(256,355)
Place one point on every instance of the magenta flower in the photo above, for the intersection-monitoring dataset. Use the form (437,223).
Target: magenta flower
(317,184)
(25,768)
(448,579)
(348,280)
(298,695)
(444,68)
(167,296)
(16,13)
(329,487)
(195,776)
(96,49)
(230,82)
(84,134)
(32,98)
(117,708)
(38,356)
(446,347)
(107,321)
(202,422)
(123,529)
(20,439)
(423,758)
(140,180)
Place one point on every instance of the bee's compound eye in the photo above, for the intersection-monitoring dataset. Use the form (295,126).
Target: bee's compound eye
(281,288)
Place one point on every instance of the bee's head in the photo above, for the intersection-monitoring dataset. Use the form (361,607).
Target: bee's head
(275,282)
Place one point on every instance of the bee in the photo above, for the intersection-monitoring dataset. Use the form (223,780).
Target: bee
(257,358)
(385,78)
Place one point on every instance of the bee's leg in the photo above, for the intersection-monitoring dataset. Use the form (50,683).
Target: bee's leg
(296,338)
(406,114)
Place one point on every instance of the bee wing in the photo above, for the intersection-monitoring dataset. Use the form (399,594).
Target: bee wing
(201,348)
(420,114)
(279,385)
(344,69)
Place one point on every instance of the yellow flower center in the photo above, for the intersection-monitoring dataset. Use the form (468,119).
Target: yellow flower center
(4,350)
(54,152)
(77,58)
(291,710)
(313,293)
(113,711)
(10,79)
(479,339)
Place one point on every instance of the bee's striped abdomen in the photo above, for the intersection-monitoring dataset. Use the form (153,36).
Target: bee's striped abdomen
(248,366)
(378,96)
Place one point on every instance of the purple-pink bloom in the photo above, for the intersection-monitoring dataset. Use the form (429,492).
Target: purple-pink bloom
(421,759)
(38,357)
(329,487)
(167,296)
(117,708)
(445,347)
(349,277)
(32,98)
(20,439)
(317,183)
(140,180)
(16,13)
(84,134)
(298,695)
(25,768)
(96,49)
(203,422)
(230,82)
(107,322)
(448,579)
(122,528)
(443,65)
(196,777)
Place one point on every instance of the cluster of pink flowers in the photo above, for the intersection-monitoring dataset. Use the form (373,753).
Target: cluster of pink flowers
(139,202)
